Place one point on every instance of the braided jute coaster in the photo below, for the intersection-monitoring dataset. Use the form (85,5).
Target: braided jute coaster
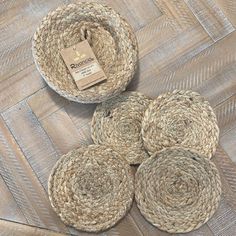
(177,190)
(180,118)
(91,188)
(110,36)
(117,123)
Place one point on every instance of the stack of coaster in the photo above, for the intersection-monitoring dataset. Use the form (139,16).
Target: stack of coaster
(110,36)
(117,123)
(91,188)
(177,190)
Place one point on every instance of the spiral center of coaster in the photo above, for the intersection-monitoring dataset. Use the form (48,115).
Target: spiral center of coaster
(92,183)
(178,128)
(178,187)
(129,130)
(179,190)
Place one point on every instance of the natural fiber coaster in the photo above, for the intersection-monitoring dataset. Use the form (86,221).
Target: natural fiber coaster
(117,123)
(91,188)
(111,38)
(177,190)
(180,118)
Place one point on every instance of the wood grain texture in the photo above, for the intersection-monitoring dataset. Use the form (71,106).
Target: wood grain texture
(14,229)
(32,139)
(228,7)
(19,86)
(226,112)
(228,142)
(227,170)
(223,225)
(9,209)
(81,115)
(19,20)
(160,29)
(134,12)
(24,185)
(178,13)
(45,102)
(211,18)
(223,221)
(210,72)
(61,131)
(184,44)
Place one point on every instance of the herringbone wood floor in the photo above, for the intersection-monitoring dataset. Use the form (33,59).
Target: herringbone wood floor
(186,44)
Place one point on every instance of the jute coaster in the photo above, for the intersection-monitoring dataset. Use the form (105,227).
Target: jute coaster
(91,188)
(110,36)
(117,123)
(180,118)
(177,190)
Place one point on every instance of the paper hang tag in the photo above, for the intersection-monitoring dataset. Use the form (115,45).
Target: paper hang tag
(83,65)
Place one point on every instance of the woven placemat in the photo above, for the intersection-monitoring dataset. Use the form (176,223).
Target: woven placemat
(117,123)
(91,188)
(180,118)
(177,190)
(111,38)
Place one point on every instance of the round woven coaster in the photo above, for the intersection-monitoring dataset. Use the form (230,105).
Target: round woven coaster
(111,38)
(117,123)
(180,118)
(177,190)
(91,188)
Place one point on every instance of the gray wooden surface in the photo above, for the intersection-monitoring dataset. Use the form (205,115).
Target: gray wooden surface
(185,44)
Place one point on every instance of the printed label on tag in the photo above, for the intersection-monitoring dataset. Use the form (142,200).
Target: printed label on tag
(83,65)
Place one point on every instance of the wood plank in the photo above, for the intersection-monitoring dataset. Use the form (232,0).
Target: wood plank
(211,18)
(81,115)
(228,142)
(226,113)
(61,131)
(134,12)
(177,17)
(227,170)
(24,185)
(19,18)
(223,221)
(45,102)
(9,209)
(229,9)
(159,29)
(13,229)
(32,139)
(175,51)
(211,73)
(178,13)
(19,86)
(169,57)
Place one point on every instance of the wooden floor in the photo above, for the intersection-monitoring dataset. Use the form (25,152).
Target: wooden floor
(186,44)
